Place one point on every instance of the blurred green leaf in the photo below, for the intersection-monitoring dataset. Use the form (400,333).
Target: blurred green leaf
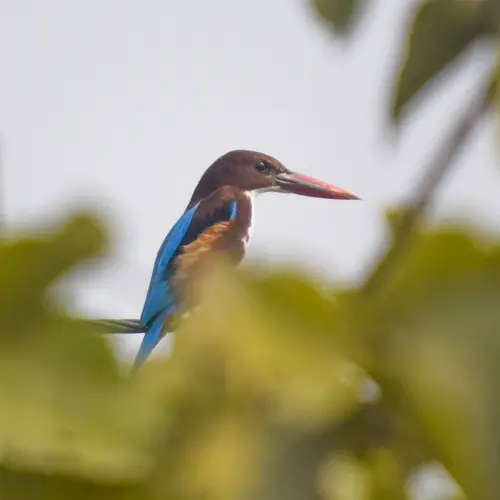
(64,405)
(256,320)
(30,264)
(339,14)
(441,30)
(19,485)
(435,328)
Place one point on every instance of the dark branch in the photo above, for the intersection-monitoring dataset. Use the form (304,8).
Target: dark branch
(437,170)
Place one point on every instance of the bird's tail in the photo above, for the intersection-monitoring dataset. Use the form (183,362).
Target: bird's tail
(114,325)
(151,338)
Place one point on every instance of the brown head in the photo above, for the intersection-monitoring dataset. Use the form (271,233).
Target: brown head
(257,172)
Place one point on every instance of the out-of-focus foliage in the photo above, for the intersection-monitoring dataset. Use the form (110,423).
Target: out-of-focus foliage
(437,336)
(64,408)
(266,394)
(339,14)
(440,31)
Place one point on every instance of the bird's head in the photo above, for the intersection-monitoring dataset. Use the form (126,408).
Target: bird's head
(256,172)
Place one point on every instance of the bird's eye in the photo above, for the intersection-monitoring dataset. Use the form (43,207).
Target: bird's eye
(262,166)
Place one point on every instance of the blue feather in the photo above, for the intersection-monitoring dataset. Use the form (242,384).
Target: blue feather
(161,300)
(232,207)
(171,243)
(159,296)
(150,340)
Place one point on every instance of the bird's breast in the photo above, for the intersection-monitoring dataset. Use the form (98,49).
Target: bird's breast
(227,239)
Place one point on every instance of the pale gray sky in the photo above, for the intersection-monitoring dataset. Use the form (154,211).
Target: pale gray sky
(123,104)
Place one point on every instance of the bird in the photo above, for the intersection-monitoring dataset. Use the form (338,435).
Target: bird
(218,220)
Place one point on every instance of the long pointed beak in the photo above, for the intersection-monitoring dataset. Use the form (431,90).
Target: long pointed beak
(309,186)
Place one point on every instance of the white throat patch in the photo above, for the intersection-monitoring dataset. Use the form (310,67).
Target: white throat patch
(252,195)
(270,189)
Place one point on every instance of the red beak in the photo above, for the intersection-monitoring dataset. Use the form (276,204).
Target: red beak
(309,186)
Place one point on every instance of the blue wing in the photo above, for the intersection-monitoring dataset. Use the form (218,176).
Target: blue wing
(161,300)
(159,296)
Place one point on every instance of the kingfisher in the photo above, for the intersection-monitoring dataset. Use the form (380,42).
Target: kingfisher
(218,220)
